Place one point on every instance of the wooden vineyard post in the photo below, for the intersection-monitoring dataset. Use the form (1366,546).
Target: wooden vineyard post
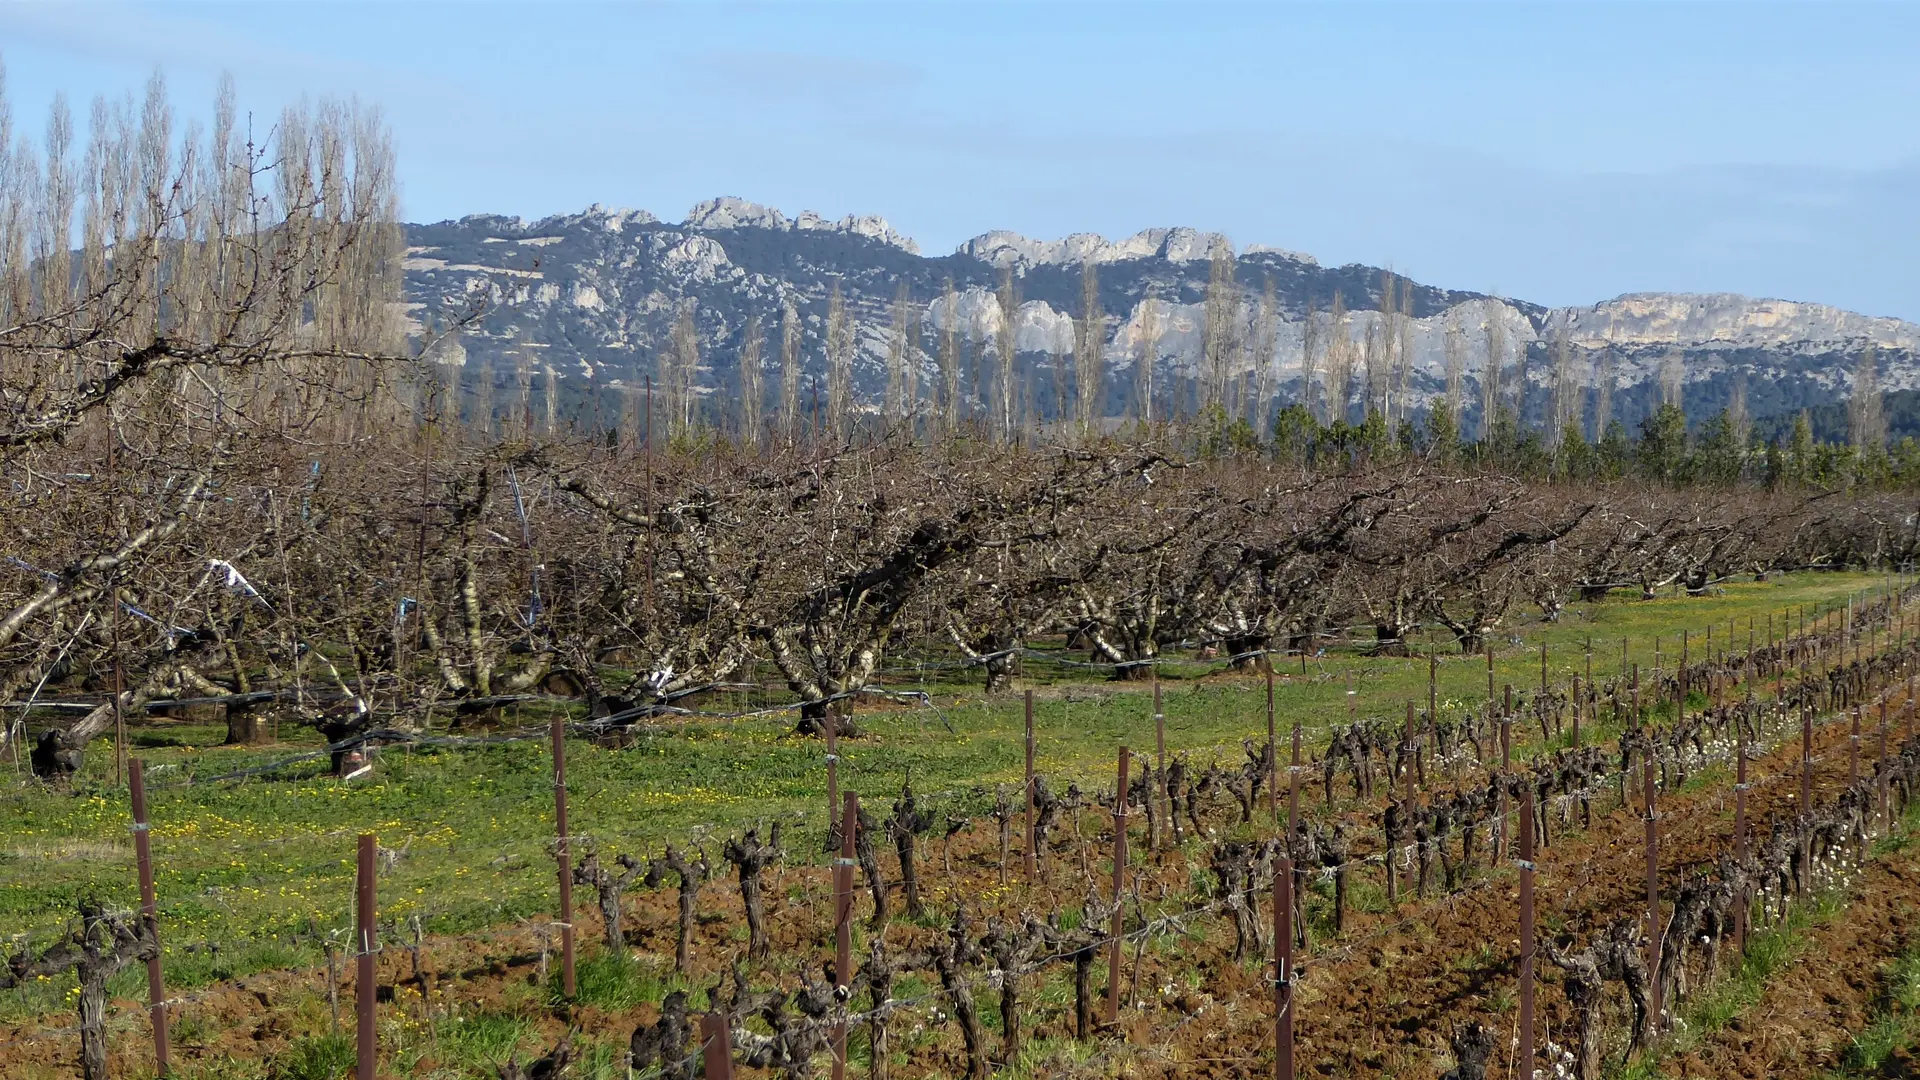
(1543,691)
(1433,708)
(1293,806)
(1654,928)
(1160,746)
(1741,903)
(1853,750)
(1273,756)
(1119,890)
(1489,676)
(1806,795)
(562,855)
(1576,712)
(1526,933)
(1032,862)
(833,783)
(1412,758)
(1506,763)
(843,925)
(1506,731)
(150,913)
(365,991)
(1680,677)
(119,715)
(1886,814)
(1492,703)
(1283,969)
(1413,748)
(1405,832)
(716,1046)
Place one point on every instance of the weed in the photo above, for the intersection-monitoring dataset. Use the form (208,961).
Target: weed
(316,1057)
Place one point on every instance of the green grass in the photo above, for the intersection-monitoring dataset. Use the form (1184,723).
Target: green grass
(484,1041)
(619,981)
(263,867)
(317,1057)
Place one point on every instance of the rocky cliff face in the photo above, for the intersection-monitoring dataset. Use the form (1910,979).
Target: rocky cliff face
(593,296)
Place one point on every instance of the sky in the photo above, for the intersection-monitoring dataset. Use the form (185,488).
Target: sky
(1561,153)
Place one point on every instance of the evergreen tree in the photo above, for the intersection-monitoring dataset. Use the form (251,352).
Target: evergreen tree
(1575,457)
(1718,457)
(1800,463)
(1372,439)
(1662,452)
(1294,433)
(1614,451)
(1443,433)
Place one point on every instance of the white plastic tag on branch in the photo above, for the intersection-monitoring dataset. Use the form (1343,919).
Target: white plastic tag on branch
(237,582)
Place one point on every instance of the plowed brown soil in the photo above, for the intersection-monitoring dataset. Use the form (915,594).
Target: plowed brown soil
(1379,1001)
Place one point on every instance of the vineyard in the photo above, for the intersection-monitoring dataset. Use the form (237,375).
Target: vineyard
(988,934)
(364,711)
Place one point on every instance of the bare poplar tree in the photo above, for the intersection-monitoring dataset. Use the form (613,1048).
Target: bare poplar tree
(1403,361)
(523,388)
(1006,345)
(752,395)
(686,367)
(1060,368)
(789,370)
(1266,359)
(16,202)
(1455,345)
(550,396)
(1866,415)
(54,250)
(1673,379)
(1373,370)
(1521,385)
(1381,356)
(897,354)
(481,375)
(1496,359)
(981,400)
(1149,355)
(1310,395)
(1339,361)
(910,371)
(950,364)
(839,365)
(1603,386)
(1222,309)
(1737,415)
(1090,354)
(1565,387)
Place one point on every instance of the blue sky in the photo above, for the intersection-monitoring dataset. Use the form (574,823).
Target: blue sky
(1558,152)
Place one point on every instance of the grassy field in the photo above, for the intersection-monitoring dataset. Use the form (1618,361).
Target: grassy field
(262,867)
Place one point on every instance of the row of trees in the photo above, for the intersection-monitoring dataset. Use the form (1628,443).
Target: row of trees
(1346,391)
(177,260)
(396,579)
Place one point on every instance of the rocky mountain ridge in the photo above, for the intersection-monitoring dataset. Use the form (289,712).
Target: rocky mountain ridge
(593,295)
